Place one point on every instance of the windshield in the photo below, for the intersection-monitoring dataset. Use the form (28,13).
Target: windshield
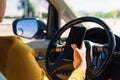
(107,10)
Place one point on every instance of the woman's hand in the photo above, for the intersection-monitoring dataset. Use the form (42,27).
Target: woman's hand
(79,57)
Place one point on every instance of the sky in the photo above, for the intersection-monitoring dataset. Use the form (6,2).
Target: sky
(95,5)
(11,8)
(83,5)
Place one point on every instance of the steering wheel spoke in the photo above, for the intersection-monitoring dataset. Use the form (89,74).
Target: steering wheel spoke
(99,56)
(96,55)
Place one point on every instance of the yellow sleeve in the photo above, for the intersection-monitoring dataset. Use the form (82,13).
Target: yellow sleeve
(21,64)
(77,75)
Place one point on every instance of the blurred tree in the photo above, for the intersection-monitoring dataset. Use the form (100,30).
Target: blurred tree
(104,15)
(35,4)
(28,8)
(108,15)
(118,15)
(99,14)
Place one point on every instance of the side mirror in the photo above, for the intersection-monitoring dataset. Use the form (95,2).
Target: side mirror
(29,28)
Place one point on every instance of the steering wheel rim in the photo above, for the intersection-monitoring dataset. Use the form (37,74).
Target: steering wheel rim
(110,45)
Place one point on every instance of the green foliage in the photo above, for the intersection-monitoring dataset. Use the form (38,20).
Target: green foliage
(104,15)
(99,14)
(30,10)
(44,15)
(118,15)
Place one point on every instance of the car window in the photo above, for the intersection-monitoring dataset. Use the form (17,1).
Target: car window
(16,9)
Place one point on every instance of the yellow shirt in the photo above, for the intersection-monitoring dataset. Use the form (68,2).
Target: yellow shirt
(77,75)
(17,61)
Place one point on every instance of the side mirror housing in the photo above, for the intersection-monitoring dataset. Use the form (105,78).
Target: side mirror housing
(29,28)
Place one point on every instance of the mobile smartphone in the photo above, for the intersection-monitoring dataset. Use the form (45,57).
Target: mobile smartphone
(76,36)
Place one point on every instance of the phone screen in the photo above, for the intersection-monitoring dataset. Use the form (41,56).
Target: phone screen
(76,36)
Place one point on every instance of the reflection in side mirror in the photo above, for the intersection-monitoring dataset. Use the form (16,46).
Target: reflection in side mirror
(29,28)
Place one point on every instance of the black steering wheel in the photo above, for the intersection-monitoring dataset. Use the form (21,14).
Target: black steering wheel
(98,56)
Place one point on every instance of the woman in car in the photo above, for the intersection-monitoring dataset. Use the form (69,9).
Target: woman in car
(17,60)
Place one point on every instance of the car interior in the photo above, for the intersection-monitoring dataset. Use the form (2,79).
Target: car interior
(102,44)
